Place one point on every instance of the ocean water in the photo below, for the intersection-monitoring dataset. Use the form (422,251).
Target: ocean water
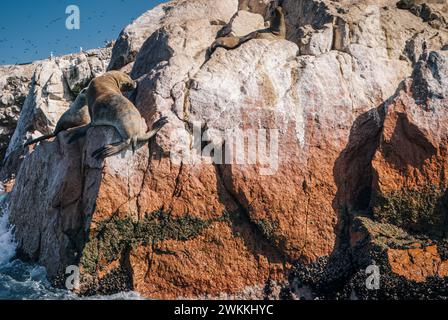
(24,281)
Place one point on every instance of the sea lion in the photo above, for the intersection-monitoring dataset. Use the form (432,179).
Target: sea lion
(111,82)
(276,31)
(100,88)
(109,107)
(77,115)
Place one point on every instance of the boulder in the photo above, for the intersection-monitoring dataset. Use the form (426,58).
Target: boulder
(174,12)
(256,6)
(243,23)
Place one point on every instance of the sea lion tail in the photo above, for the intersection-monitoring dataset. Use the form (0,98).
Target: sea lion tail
(34,141)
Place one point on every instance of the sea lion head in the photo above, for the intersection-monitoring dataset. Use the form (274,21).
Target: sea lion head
(271,8)
(124,81)
(80,101)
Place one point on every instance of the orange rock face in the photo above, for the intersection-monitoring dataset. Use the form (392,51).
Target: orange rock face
(417,264)
(214,263)
(410,164)
(412,153)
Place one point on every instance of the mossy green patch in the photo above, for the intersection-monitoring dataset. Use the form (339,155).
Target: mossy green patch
(423,210)
(114,237)
(90,256)
(159,227)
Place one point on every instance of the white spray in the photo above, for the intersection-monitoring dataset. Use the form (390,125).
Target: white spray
(7,242)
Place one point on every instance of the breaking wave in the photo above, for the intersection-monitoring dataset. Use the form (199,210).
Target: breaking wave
(7,243)
(24,281)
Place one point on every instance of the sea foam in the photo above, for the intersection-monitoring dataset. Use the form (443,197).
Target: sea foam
(7,243)
(20,280)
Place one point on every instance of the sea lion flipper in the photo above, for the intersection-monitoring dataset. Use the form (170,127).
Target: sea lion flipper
(159,124)
(100,150)
(34,141)
(156,127)
(277,30)
(110,150)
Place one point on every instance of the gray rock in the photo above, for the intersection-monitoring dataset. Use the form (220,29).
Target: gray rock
(15,82)
(314,42)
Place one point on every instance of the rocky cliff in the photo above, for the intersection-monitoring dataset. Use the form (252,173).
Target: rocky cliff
(15,85)
(353,104)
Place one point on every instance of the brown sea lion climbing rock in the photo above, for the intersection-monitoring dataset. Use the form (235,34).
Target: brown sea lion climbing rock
(112,82)
(109,107)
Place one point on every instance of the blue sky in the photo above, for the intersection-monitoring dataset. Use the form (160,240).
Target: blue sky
(30,29)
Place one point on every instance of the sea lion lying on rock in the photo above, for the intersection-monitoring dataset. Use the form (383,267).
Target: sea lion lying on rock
(276,31)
